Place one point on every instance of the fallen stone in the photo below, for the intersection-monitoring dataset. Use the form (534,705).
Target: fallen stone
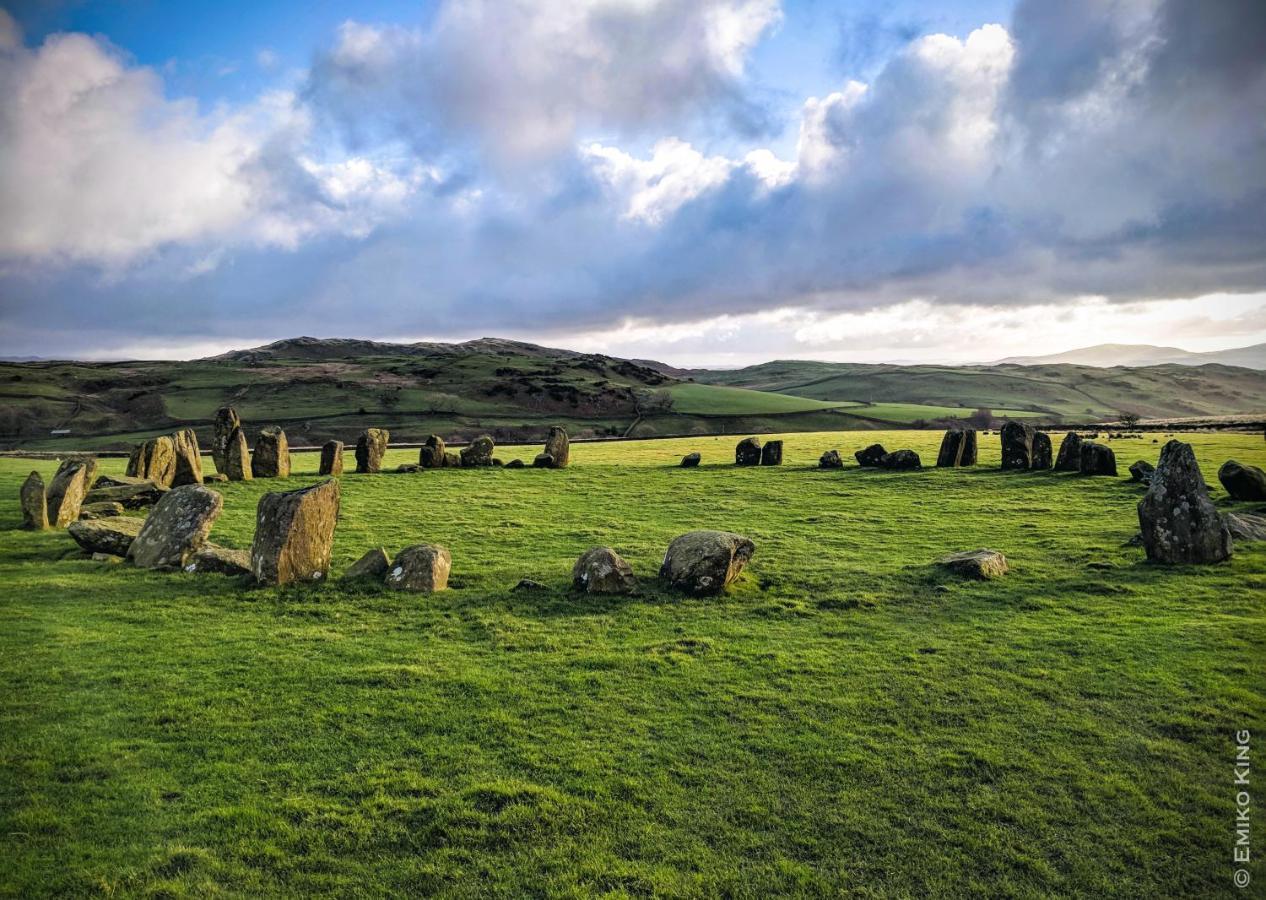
(1041,455)
(691,460)
(1245,526)
(188,466)
(331,458)
(237,457)
(102,510)
(422,568)
(373,565)
(371,447)
(601,570)
(136,495)
(901,460)
(830,460)
(109,558)
(104,481)
(176,528)
(431,456)
(515,464)
(1141,471)
(1069,459)
(1242,482)
(1178,521)
(1017,446)
(478,452)
(771,453)
(705,562)
(113,535)
(407,468)
(294,533)
(871,456)
(558,446)
(226,422)
(527,584)
(215,478)
(1098,459)
(982,564)
(34,502)
(219,561)
(67,490)
(271,458)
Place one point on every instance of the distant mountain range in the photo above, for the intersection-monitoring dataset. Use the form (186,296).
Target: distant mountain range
(1106,355)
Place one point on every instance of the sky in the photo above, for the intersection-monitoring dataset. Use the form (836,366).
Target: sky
(705,182)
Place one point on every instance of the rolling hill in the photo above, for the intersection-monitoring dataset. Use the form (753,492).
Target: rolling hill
(319,389)
(1106,355)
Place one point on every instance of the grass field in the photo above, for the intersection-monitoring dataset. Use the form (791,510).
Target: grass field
(849,719)
(707,399)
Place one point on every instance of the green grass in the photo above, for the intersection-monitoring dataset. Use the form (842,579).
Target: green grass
(906,413)
(849,719)
(707,399)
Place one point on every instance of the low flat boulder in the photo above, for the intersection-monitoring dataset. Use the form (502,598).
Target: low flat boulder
(371,447)
(137,495)
(105,481)
(901,460)
(176,528)
(1242,482)
(1245,526)
(747,452)
(558,446)
(478,452)
(220,561)
(830,460)
(100,510)
(543,461)
(408,468)
(373,565)
(294,534)
(1098,459)
(691,460)
(113,536)
(34,502)
(422,568)
(331,458)
(1141,471)
(1069,458)
(601,570)
(516,464)
(214,478)
(705,562)
(1178,521)
(871,456)
(983,564)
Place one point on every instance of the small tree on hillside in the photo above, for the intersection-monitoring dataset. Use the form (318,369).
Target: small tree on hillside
(981,418)
(1128,419)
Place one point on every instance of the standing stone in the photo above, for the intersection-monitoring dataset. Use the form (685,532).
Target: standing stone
(690,460)
(154,460)
(478,452)
(237,457)
(1242,482)
(1179,522)
(1017,446)
(1141,471)
(272,454)
(830,460)
(704,562)
(1098,459)
(422,568)
(1069,459)
(901,460)
(294,533)
(951,450)
(188,469)
(34,503)
(332,458)
(771,453)
(870,456)
(431,456)
(371,446)
(558,446)
(601,570)
(1041,458)
(176,528)
(968,457)
(226,421)
(67,490)
(747,453)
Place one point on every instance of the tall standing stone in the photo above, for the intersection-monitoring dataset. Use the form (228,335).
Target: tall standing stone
(67,490)
(272,454)
(747,452)
(478,452)
(34,503)
(558,446)
(968,457)
(176,528)
(226,421)
(154,460)
(958,448)
(771,453)
(371,447)
(332,458)
(1017,446)
(237,457)
(1069,459)
(1178,520)
(294,533)
(188,468)
(1041,458)
(431,456)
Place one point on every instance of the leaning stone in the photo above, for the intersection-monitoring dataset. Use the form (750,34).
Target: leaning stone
(422,568)
(601,570)
(371,447)
(237,457)
(103,510)
(226,421)
(272,454)
(1178,521)
(951,450)
(747,452)
(220,561)
(1069,459)
(431,456)
(543,461)
(188,458)
(901,460)
(1098,459)
(1041,457)
(176,528)
(34,503)
(478,452)
(771,453)
(1017,446)
(294,532)
(515,464)
(1141,471)
(331,458)
(113,535)
(1242,482)
(871,455)
(67,490)
(1245,527)
(976,563)
(558,446)
(374,564)
(691,460)
(704,562)
(133,496)
(830,460)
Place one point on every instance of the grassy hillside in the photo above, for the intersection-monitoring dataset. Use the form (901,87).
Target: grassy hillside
(849,720)
(1074,392)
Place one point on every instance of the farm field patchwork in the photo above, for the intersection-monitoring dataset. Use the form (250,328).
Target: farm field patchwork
(848,718)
